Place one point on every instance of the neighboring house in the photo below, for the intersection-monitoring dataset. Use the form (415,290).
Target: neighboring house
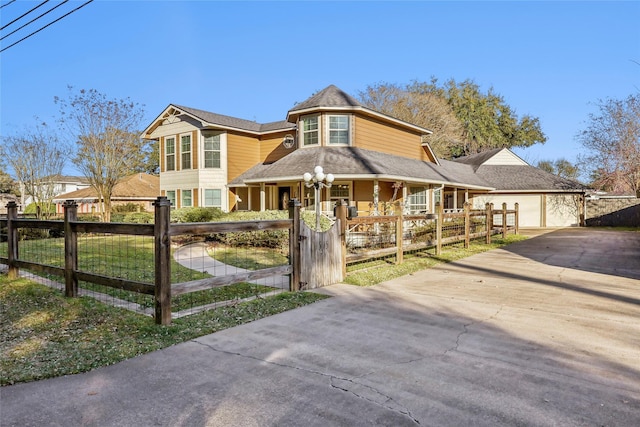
(207,159)
(61,184)
(140,188)
(4,200)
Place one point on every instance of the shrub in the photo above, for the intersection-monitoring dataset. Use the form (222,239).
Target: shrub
(196,214)
(127,208)
(139,217)
(32,208)
(275,239)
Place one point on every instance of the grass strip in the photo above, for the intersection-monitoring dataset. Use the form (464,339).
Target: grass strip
(380,270)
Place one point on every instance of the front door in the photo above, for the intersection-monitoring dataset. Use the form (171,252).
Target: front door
(284,194)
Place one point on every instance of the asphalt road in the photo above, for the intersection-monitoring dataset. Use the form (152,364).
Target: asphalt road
(544,332)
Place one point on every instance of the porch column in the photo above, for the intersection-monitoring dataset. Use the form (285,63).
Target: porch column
(455,198)
(249,190)
(263,197)
(376,195)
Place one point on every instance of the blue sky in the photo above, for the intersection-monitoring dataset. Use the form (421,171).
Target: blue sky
(255,60)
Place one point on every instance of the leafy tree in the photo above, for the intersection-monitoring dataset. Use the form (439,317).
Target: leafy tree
(151,162)
(37,157)
(561,167)
(485,121)
(108,144)
(612,142)
(7,184)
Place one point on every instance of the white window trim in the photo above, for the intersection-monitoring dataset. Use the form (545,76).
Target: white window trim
(190,135)
(166,139)
(318,130)
(204,150)
(204,198)
(173,205)
(328,130)
(182,205)
(410,206)
(336,184)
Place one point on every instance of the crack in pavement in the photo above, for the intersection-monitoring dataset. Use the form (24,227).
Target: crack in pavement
(466,329)
(361,391)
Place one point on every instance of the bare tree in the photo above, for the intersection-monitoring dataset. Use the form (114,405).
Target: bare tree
(560,167)
(612,141)
(108,143)
(423,109)
(37,158)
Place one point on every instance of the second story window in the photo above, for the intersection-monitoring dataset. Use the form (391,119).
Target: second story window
(170,150)
(339,130)
(212,151)
(185,149)
(310,131)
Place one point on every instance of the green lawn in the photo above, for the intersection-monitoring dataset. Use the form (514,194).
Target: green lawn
(44,335)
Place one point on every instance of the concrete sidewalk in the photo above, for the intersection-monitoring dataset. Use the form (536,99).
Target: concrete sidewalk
(195,257)
(544,332)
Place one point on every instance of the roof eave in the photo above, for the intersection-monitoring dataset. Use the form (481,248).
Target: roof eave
(386,177)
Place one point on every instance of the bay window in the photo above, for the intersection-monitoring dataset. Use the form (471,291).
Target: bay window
(310,130)
(339,130)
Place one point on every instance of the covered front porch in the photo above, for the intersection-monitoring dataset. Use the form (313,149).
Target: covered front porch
(369,197)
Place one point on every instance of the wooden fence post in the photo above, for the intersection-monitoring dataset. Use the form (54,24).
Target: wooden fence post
(517,218)
(162,247)
(489,221)
(399,235)
(70,249)
(440,212)
(294,245)
(467,224)
(12,240)
(504,220)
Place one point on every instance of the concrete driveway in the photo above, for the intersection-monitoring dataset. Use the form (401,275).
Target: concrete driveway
(544,332)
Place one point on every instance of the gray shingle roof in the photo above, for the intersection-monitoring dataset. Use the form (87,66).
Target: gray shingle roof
(331,96)
(234,122)
(479,158)
(525,178)
(350,161)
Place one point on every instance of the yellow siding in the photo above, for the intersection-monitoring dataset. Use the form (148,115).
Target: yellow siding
(194,197)
(374,135)
(162,159)
(271,148)
(195,149)
(243,152)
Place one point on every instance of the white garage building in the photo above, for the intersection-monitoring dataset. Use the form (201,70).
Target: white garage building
(544,199)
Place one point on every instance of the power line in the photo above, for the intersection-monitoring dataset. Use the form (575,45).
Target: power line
(50,23)
(34,19)
(24,14)
(7,4)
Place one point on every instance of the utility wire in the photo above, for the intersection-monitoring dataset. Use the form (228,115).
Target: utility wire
(34,19)
(7,4)
(50,23)
(24,14)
